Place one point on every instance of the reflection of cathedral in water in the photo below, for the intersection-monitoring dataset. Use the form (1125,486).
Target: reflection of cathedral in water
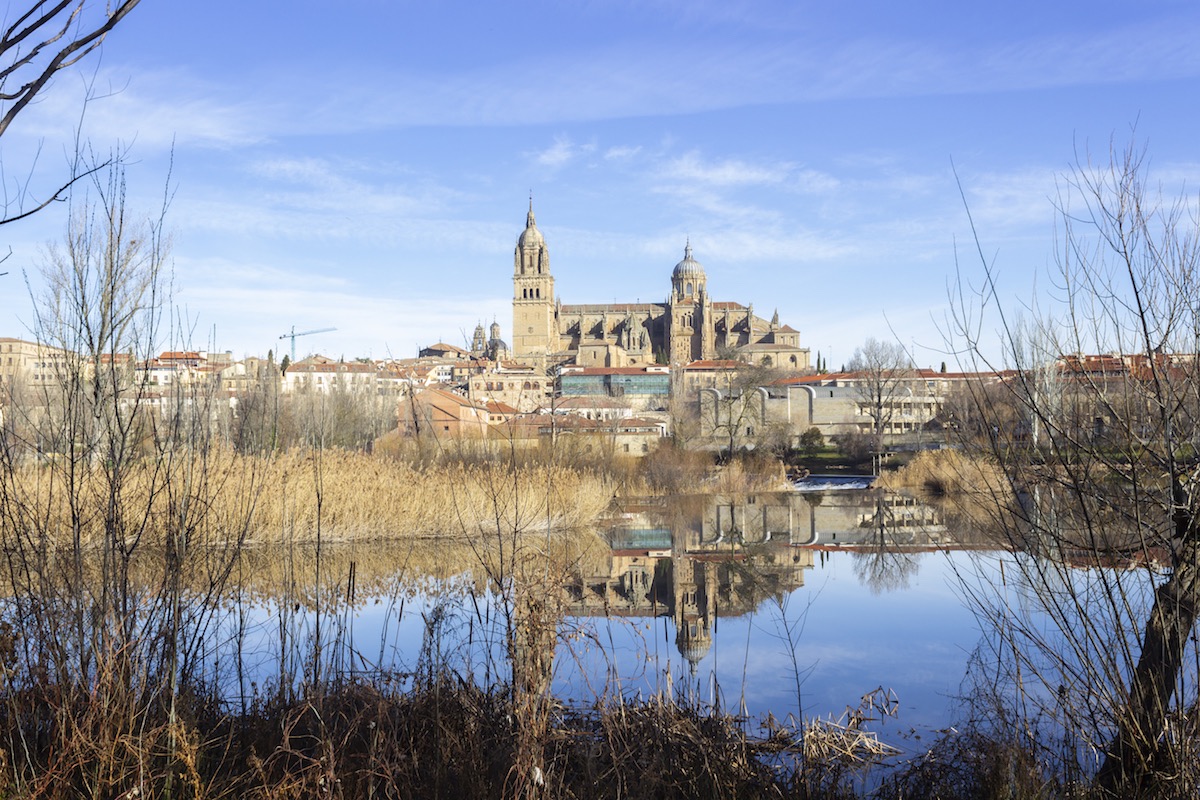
(695,559)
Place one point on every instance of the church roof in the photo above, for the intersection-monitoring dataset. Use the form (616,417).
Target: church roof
(442,347)
(714,364)
(612,308)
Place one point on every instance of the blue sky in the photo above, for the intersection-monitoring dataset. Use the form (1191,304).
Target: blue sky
(366,165)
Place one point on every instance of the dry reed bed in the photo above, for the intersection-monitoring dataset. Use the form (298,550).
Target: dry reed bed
(365,571)
(221,497)
(977,487)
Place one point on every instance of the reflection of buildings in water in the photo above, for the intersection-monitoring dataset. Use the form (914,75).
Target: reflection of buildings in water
(696,558)
(875,517)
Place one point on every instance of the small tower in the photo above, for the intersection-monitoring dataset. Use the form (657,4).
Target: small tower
(478,342)
(497,348)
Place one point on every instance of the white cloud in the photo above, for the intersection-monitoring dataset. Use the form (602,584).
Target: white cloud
(730,172)
(153,109)
(622,152)
(562,152)
(556,155)
(252,304)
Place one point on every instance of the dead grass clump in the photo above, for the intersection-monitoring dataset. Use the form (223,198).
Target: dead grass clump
(971,764)
(660,750)
(949,472)
(672,469)
(750,472)
(445,739)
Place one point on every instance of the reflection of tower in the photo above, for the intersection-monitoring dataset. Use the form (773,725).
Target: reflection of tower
(695,608)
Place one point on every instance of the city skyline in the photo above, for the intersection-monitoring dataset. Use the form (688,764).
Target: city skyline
(370,170)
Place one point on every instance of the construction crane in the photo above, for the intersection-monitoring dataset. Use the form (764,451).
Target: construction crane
(292,335)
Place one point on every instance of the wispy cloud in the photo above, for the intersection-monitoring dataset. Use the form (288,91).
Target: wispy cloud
(153,109)
(562,152)
(255,311)
(729,172)
(627,79)
(622,152)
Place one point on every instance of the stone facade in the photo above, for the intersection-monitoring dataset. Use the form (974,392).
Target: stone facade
(688,326)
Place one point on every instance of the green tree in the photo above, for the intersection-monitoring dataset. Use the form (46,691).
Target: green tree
(812,440)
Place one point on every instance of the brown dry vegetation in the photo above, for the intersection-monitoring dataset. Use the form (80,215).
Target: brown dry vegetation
(977,487)
(361,497)
(749,473)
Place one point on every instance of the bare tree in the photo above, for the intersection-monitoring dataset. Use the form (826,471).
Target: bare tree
(113,545)
(1097,430)
(39,41)
(883,378)
(736,413)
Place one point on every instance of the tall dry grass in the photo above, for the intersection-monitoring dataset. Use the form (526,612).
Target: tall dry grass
(749,474)
(357,497)
(975,486)
(936,472)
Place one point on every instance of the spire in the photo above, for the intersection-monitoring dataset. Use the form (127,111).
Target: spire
(529,223)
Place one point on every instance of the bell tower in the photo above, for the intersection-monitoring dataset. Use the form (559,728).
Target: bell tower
(534,332)
(692,331)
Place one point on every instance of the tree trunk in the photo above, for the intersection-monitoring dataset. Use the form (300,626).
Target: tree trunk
(1130,758)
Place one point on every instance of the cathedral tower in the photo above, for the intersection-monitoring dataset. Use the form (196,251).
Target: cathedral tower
(534,331)
(692,331)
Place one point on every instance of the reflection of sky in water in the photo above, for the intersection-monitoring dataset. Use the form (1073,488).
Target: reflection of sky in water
(861,615)
(915,641)
(850,640)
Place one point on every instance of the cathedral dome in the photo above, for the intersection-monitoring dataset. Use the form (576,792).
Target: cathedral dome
(689,267)
(531,236)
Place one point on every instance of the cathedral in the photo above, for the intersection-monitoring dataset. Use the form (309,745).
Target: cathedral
(688,326)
